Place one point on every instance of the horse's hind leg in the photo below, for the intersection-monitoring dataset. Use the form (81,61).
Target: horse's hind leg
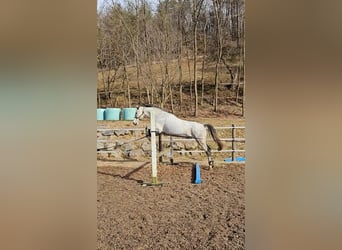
(207,151)
(210,160)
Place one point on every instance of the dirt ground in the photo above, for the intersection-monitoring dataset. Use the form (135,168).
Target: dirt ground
(176,215)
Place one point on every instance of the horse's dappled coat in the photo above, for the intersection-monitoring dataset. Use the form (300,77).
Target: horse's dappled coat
(169,124)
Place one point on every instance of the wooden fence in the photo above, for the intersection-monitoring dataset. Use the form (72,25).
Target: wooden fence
(234,135)
(232,139)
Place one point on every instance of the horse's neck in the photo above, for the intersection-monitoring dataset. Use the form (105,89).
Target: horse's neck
(148,111)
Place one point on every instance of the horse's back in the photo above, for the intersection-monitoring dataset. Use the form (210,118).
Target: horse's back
(175,126)
(172,125)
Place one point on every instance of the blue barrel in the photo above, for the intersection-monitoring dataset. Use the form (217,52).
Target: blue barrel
(129,113)
(112,114)
(100,114)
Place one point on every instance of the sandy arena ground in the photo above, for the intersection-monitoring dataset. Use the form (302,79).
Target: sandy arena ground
(176,215)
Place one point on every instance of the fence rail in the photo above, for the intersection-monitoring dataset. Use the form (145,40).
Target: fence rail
(233,139)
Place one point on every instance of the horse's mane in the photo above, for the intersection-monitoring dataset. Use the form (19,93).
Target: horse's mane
(148,105)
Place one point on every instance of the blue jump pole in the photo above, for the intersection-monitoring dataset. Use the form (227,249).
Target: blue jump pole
(198,179)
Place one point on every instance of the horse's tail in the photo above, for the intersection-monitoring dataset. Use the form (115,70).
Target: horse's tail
(213,133)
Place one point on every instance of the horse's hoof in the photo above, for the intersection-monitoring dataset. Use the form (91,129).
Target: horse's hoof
(211,165)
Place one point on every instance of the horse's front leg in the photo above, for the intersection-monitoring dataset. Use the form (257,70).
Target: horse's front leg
(162,152)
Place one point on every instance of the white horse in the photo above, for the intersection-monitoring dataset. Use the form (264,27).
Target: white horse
(169,124)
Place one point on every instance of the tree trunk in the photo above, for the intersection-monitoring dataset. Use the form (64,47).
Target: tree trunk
(138,78)
(195,69)
(189,68)
(180,21)
(128,90)
(217,8)
(197,5)
(171,99)
(204,56)
(180,82)
(216,86)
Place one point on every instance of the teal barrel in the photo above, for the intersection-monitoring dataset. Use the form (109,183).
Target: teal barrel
(100,114)
(129,113)
(112,114)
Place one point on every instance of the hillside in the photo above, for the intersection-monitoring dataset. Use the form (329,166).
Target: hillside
(164,80)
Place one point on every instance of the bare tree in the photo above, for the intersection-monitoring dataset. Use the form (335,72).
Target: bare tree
(197,5)
(205,28)
(218,18)
(108,59)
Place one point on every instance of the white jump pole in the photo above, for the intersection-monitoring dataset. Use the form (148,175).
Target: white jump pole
(153,147)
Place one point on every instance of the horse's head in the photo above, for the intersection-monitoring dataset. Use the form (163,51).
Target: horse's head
(139,114)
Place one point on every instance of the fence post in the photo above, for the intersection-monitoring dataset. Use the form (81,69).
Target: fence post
(233,142)
(153,147)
